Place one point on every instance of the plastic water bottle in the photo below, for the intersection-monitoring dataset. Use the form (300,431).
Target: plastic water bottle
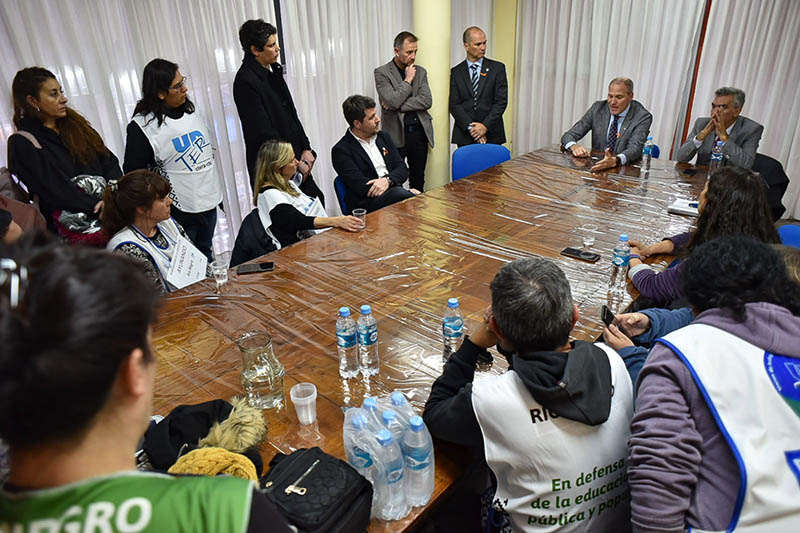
(346,344)
(716,157)
(401,406)
(419,457)
(370,406)
(368,342)
(394,424)
(452,328)
(647,152)
(393,500)
(355,447)
(619,266)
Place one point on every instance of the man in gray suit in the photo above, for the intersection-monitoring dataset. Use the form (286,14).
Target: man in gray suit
(739,135)
(619,125)
(405,98)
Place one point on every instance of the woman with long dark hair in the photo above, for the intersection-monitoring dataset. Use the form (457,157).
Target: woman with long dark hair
(733,202)
(168,136)
(54,151)
(77,374)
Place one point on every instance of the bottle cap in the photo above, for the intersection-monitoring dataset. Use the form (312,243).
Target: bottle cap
(370,403)
(416,423)
(649,137)
(388,415)
(384,437)
(623,237)
(398,398)
(344,311)
(359,421)
(365,309)
(452,303)
(719,143)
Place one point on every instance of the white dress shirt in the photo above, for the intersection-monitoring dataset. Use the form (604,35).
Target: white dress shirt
(374,154)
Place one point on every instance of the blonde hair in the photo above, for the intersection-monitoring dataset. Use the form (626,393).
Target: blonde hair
(272,157)
(791,256)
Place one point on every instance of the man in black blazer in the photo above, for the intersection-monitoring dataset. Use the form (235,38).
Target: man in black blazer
(367,160)
(265,104)
(619,125)
(478,94)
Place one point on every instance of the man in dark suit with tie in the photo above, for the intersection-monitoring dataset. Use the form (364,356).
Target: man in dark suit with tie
(478,94)
(739,135)
(367,160)
(619,125)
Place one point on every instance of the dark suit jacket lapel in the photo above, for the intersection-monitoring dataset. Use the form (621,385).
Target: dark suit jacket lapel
(602,128)
(483,77)
(463,72)
(381,144)
(626,124)
(359,152)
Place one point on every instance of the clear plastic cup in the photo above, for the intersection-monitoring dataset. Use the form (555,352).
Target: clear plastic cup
(304,398)
(219,268)
(361,213)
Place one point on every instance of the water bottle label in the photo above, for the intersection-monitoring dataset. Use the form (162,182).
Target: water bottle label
(368,336)
(393,476)
(648,150)
(362,458)
(346,341)
(620,260)
(417,463)
(451,327)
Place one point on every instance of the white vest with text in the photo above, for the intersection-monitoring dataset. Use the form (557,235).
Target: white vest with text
(183,152)
(162,257)
(556,474)
(750,393)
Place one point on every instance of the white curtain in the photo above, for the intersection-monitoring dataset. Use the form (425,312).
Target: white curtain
(331,50)
(755,46)
(98,49)
(568,51)
(466,13)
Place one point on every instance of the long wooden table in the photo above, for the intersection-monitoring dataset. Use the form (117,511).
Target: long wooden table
(413,256)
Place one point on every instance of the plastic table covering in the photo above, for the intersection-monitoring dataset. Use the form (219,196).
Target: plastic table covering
(412,257)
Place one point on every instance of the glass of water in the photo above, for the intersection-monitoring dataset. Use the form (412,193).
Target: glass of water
(588,233)
(219,269)
(262,373)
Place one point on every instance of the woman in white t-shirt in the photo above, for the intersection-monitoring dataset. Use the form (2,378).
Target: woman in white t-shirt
(287,214)
(168,136)
(137,215)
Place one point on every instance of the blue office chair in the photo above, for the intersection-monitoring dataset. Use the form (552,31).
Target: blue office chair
(473,158)
(656,151)
(790,235)
(341,193)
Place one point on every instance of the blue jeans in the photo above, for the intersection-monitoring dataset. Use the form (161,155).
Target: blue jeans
(199,227)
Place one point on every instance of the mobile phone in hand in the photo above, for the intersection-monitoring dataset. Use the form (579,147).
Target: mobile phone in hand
(251,268)
(608,318)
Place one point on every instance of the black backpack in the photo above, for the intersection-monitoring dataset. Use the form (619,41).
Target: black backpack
(317,492)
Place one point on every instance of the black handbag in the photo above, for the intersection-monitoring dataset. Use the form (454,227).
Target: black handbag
(317,492)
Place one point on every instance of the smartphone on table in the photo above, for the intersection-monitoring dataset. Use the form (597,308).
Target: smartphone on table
(251,268)
(582,255)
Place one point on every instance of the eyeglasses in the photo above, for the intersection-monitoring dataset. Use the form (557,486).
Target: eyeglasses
(179,86)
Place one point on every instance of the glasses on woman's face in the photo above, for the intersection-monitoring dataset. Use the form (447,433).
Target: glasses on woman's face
(180,85)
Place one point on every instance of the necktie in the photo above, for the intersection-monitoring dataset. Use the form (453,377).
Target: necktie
(474,77)
(611,142)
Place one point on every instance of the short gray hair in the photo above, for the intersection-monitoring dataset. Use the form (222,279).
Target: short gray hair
(627,82)
(532,304)
(738,95)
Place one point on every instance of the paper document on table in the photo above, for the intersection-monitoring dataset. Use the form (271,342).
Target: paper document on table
(188,264)
(683,207)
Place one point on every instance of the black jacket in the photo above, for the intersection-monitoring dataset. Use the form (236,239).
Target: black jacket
(354,166)
(266,110)
(47,172)
(574,384)
(492,101)
(252,240)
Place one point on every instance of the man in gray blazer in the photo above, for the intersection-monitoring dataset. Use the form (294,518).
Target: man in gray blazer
(619,125)
(405,98)
(739,135)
